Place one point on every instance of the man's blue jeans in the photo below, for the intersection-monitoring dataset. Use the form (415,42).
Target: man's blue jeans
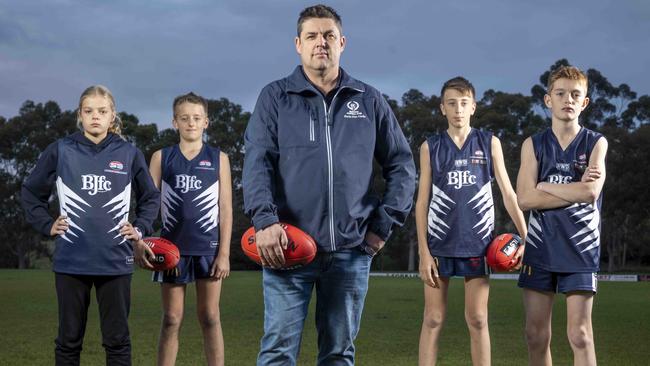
(341,280)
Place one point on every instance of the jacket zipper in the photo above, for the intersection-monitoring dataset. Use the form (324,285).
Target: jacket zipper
(330,168)
(312,137)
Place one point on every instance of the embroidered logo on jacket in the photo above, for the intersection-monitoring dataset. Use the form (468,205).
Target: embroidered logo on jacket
(353,110)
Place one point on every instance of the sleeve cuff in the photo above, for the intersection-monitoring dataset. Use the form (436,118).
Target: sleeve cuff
(265,222)
(383,231)
(46,228)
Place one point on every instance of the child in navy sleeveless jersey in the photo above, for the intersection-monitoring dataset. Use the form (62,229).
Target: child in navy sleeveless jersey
(94,171)
(455,218)
(560,181)
(196,212)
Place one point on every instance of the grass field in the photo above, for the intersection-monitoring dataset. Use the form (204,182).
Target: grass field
(389,331)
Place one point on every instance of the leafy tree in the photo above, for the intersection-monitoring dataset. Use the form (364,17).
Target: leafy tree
(226,130)
(420,117)
(22,138)
(144,136)
(511,119)
(614,110)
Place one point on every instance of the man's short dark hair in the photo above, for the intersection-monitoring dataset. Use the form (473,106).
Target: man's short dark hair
(319,11)
(460,84)
(190,98)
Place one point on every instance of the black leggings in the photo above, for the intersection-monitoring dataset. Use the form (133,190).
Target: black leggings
(113,297)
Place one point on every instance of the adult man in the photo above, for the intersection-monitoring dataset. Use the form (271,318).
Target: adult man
(310,145)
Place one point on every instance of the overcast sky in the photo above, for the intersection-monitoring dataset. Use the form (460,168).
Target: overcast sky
(147,52)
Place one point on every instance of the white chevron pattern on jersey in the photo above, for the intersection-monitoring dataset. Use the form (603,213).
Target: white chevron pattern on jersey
(484,206)
(210,198)
(67,208)
(169,199)
(121,203)
(534,231)
(438,208)
(586,212)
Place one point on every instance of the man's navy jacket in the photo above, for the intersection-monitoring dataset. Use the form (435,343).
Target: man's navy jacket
(309,161)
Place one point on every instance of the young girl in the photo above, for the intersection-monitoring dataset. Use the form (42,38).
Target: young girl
(94,170)
(196,211)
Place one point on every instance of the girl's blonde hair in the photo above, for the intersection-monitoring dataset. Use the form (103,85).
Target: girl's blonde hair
(116,124)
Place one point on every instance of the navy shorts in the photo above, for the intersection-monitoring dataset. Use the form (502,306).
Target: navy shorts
(189,269)
(558,282)
(462,267)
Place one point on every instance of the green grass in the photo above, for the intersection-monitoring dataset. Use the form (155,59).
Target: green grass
(389,332)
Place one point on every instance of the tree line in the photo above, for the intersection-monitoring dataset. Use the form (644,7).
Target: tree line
(615,111)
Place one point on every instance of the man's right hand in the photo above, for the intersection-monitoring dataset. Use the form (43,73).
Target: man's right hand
(270,243)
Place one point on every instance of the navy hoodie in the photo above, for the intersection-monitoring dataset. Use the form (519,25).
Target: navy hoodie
(94,184)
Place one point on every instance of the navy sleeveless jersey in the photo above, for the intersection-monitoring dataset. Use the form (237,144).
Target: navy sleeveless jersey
(94,191)
(461,210)
(190,200)
(565,239)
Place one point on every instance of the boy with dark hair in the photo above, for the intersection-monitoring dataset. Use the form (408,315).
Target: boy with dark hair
(454,214)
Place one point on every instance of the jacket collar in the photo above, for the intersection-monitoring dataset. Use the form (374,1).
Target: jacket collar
(297,82)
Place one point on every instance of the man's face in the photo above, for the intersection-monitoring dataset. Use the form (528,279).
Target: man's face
(320,45)
(457,107)
(567,99)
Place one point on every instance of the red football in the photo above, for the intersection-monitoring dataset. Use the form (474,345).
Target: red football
(300,251)
(501,252)
(166,253)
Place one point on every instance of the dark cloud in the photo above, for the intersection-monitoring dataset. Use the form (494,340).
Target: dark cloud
(149,52)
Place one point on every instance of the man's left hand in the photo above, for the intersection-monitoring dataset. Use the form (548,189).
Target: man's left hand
(374,242)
